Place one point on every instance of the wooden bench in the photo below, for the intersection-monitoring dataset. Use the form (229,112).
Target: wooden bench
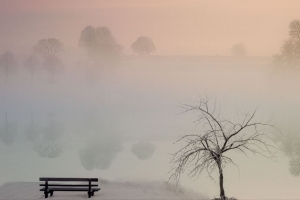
(87,187)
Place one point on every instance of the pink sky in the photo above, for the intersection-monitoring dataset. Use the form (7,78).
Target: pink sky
(184,27)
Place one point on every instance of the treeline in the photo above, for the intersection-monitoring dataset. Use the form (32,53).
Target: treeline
(99,43)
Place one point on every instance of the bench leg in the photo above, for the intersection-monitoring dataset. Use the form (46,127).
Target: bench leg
(90,194)
(51,193)
(93,193)
(46,194)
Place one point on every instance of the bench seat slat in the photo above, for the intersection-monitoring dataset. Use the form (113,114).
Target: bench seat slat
(69,185)
(70,189)
(69,179)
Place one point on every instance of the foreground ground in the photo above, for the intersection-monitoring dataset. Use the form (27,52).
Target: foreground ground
(109,190)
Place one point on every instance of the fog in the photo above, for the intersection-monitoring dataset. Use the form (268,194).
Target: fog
(88,111)
(177,27)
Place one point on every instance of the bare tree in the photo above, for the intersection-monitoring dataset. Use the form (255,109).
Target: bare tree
(143,46)
(208,150)
(32,63)
(8,64)
(48,47)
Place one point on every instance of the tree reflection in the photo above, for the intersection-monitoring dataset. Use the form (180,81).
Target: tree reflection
(143,150)
(100,151)
(295,166)
(8,131)
(48,144)
(31,131)
(89,124)
(290,144)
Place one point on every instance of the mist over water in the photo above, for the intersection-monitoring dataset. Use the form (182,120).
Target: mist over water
(89,128)
(76,102)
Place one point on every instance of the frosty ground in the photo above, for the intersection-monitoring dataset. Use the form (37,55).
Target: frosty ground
(109,190)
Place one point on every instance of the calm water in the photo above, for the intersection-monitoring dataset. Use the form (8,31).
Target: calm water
(87,122)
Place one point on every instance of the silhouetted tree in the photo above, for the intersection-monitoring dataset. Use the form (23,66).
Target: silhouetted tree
(295,29)
(100,42)
(8,64)
(53,65)
(48,47)
(208,150)
(143,150)
(238,50)
(143,46)
(290,50)
(32,63)
(8,131)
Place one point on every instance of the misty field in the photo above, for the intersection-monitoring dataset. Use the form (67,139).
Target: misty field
(87,122)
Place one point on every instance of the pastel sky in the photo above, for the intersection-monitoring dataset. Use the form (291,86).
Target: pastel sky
(178,27)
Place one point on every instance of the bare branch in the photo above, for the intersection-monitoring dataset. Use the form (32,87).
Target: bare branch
(205,151)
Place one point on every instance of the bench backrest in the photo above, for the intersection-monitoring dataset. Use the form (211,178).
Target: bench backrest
(69,179)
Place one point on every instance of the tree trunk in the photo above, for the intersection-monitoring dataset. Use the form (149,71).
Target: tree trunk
(222,191)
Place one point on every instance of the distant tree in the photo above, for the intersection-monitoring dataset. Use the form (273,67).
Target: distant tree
(32,63)
(238,50)
(48,47)
(295,29)
(8,64)
(143,46)
(290,50)
(99,42)
(53,65)
(208,150)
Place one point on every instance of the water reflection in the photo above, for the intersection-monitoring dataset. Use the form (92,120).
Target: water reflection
(291,147)
(48,145)
(133,102)
(8,131)
(89,124)
(100,150)
(143,150)
(31,131)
